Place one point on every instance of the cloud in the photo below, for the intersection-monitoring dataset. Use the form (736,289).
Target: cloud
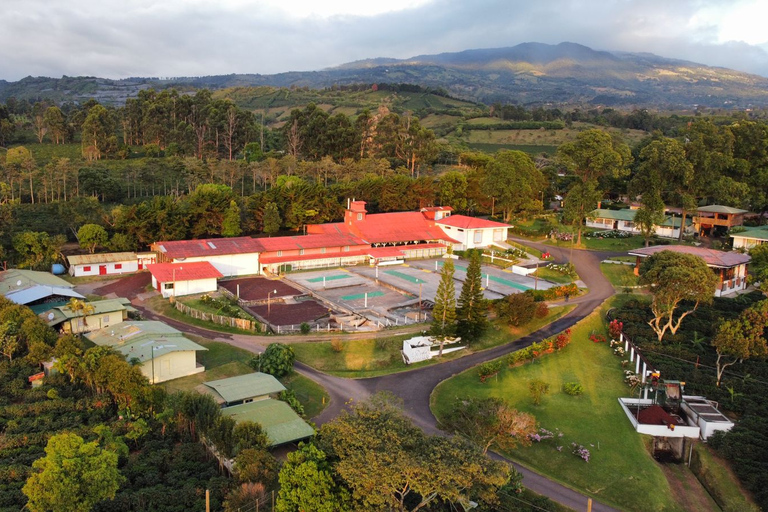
(191,37)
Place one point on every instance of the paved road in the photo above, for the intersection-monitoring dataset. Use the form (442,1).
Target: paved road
(415,387)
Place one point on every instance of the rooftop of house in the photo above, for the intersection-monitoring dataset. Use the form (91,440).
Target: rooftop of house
(61,313)
(95,259)
(310,241)
(465,222)
(143,340)
(243,387)
(186,271)
(717,208)
(601,213)
(712,257)
(758,233)
(17,279)
(280,422)
(179,249)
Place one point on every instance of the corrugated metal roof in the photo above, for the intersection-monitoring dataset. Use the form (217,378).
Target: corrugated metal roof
(95,259)
(760,233)
(143,340)
(244,387)
(62,313)
(717,208)
(207,247)
(280,422)
(16,279)
(29,295)
(189,271)
(711,257)
(627,215)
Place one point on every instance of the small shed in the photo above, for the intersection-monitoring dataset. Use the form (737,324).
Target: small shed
(177,279)
(281,423)
(104,264)
(242,389)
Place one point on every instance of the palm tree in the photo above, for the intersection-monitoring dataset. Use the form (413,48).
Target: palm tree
(81,309)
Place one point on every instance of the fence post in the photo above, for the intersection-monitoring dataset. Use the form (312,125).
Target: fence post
(644,372)
(637,364)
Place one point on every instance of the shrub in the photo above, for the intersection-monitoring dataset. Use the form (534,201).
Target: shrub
(276,360)
(305,328)
(337,345)
(542,310)
(517,309)
(573,388)
(538,389)
(615,328)
(563,339)
(488,369)
(289,396)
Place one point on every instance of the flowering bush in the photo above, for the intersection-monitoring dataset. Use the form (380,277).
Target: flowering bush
(619,351)
(542,435)
(567,269)
(597,338)
(580,451)
(546,255)
(608,234)
(632,379)
(615,328)
(563,237)
(488,369)
(556,292)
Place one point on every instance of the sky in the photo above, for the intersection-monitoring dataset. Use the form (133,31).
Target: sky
(166,38)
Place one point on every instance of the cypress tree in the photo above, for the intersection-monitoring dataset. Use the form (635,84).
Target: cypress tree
(472,311)
(444,313)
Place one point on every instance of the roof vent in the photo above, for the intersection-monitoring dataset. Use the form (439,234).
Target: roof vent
(210,244)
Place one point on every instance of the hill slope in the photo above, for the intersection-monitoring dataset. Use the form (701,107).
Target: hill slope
(529,73)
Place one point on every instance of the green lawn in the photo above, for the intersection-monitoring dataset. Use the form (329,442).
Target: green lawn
(603,244)
(619,275)
(529,250)
(369,358)
(222,360)
(207,307)
(554,276)
(620,472)
(717,478)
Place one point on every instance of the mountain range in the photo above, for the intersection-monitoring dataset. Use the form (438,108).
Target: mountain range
(528,74)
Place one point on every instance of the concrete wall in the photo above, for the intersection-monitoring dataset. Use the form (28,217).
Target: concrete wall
(94,322)
(747,243)
(94,269)
(182,288)
(172,366)
(466,237)
(231,264)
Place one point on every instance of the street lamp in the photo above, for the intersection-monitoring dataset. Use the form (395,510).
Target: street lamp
(269,303)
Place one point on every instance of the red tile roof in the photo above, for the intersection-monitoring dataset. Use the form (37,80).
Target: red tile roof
(711,257)
(464,222)
(190,271)
(397,227)
(310,241)
(305,257)
(179,249)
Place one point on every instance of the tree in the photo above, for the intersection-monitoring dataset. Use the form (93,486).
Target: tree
(230,225)
(517,309)
(650,215)
(389,463)
(276,360)
(80,308)
(472,313)
(444,312)
(56,124)
(453,190)
(98,139)
(592,157)
(308,482)
(20,164)
(515,183)
(37,250)
(9,341)
(72,477)
(676,279)
(91,236)
(490,421)
(256,465)
(742,338)
(758,266)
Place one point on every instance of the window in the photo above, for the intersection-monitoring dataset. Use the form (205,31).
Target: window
(629,225)
(346,248)
(359,216)
(322,251)
(497,235)
(118,266)
(87,268)
(478,236)
(106,318)
(279,253)
(301,252)
(168,286)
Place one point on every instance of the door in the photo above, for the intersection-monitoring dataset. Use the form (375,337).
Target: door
(102,270)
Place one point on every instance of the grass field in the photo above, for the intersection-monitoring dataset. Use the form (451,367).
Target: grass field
(369,358)
(619,275)
(603,244)
(531,149)
(715,475)
(554,276)
(206,307)
(222,360)
(620,471)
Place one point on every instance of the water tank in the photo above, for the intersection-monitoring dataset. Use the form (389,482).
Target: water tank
(58,269)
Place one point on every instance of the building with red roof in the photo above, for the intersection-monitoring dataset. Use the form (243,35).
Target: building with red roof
(189,278)
(360,238)
(730,267)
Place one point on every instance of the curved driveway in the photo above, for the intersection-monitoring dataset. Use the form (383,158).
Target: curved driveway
(414,387)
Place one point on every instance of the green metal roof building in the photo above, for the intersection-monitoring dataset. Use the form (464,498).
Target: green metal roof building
(248,387)
(281,423)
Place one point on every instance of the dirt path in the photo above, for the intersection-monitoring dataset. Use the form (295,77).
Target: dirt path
(688,491)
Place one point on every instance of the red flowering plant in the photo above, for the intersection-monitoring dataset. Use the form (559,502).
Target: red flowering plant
(563,339)
(597,338)
(615,328)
